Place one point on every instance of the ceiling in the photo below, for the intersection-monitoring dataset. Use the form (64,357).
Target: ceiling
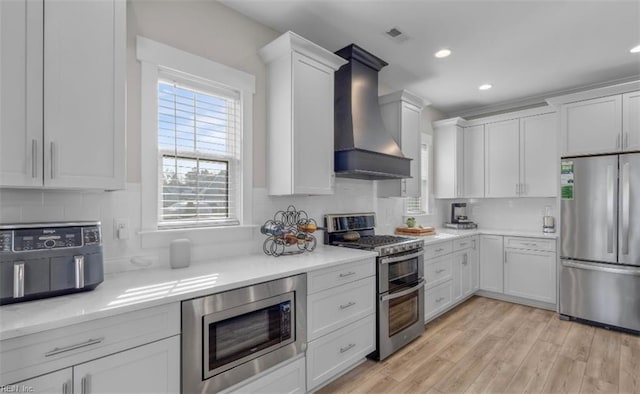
(527,50)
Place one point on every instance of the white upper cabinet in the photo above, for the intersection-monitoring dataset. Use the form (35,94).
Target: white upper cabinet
(631,121)
(473,175)
(21,93)
(502,174)
(401,113)
(300,116)
(84,94)
(63,108)
(592,126)
(448,158)
(539,156)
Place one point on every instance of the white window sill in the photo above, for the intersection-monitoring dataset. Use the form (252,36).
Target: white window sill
(197,235)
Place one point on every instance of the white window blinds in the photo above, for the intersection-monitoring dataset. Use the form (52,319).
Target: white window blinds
(199,134)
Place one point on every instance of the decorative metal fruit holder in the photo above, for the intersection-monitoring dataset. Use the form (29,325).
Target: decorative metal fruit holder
(289,229)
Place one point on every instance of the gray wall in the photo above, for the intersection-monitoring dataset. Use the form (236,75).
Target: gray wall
(205,28)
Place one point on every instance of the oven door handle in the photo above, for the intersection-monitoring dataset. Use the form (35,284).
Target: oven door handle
(403,292)
(387,260)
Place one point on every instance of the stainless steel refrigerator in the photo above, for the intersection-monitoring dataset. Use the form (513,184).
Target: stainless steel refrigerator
(600,240)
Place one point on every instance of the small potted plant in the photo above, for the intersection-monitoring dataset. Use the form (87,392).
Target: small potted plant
(411,222)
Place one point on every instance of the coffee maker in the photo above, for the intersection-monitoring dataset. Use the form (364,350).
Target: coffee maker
(459,218)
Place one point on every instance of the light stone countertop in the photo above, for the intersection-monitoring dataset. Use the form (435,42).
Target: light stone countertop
(134,290)
(447,234)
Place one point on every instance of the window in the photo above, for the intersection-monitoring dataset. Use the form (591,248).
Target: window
(420,205)
(196,148)
(198,129)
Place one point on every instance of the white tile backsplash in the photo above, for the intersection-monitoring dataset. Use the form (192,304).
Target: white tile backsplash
(523,214)
(351,195)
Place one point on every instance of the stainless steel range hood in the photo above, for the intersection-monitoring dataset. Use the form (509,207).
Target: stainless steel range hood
(364,148)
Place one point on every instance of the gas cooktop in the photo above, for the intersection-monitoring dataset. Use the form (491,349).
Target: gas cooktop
(339,227)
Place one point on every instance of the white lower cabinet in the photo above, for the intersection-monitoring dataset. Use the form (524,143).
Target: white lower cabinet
(452,277)
(332,354)
(491,262)
(54,382)
(134,352)
(437,299)
(285,378)
(152,368)
(530,273)
(519,267)
(341,319)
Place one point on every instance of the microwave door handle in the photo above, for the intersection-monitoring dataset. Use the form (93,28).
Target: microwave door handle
(387,260)
(403,292)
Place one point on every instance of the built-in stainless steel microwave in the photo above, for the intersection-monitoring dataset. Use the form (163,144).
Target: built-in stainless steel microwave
(231,336)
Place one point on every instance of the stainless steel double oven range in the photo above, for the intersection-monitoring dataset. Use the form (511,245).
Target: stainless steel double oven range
(400,274)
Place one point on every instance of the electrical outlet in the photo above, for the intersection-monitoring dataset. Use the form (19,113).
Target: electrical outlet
(121,229)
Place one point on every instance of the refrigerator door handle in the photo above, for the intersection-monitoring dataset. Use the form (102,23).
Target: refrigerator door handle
(624,214)
(623,270)
(610,207)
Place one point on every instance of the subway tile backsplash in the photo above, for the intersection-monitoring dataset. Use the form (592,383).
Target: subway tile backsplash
(351,195)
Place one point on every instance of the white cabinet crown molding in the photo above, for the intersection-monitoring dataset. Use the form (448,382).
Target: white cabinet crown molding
(511,115)
(594,93)
(291,41)
(458,121)
(405,96)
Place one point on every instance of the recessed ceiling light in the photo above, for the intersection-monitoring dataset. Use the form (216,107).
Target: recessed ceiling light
(635,49)
(442,53)
(485,86)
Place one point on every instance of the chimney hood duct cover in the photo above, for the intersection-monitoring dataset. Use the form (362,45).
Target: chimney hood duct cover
(364,148)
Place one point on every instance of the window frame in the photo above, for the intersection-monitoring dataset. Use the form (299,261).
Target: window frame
(156,61)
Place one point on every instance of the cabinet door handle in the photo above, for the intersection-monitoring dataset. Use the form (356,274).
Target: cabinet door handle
(517,189)
(347,305)
(439,300)
(626,140)
(347,348)
(465,260)
(439,250)
(65,388)
(347,274)
(53,160)
(18,279)
(59,350)
(34,158)
(440,271)
(505,257)
(84,385)
(618,141)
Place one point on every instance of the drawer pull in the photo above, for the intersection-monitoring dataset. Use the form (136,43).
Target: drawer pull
(347,348)
(347,274)
(65,388)
(440,271)
(439,250)
(463,244)
(347,305)
(59,350)
(439,299)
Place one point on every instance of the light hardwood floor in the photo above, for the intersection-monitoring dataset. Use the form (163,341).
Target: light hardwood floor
(490,346)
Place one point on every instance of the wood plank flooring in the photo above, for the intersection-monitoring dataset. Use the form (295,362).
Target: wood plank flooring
(490,346)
